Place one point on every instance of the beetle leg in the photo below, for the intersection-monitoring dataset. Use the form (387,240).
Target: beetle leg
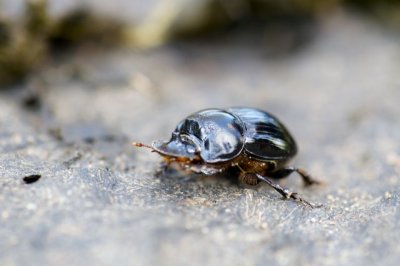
(286,193)
(204,169)
(307,179)
(249,179)
(163,167)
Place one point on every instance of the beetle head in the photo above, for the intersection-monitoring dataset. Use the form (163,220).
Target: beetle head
(211,135)
(180,145)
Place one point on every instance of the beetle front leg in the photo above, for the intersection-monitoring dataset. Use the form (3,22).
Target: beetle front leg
(307,179)
(163,167)
(287,194)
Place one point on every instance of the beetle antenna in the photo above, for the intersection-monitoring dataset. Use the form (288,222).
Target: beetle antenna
(139,144)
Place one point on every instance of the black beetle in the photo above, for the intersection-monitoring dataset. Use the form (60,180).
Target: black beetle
(252,140)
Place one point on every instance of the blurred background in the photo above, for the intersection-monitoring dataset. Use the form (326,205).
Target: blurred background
(81,80)
(49,28)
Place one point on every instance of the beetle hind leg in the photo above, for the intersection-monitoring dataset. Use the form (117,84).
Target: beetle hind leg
(286,193)
(308,180)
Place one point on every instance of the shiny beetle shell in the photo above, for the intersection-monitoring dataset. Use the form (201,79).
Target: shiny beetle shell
(217,136)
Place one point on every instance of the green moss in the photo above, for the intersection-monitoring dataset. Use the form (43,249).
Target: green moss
(37,20)
(4,33)
(25,47)
(82,26)
(21,56)
(385,11)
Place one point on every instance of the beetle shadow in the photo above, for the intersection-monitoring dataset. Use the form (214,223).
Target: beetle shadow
(175,181)
(231,175)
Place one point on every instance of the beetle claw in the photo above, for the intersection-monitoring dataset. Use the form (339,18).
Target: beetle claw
(286,193)
(295,196)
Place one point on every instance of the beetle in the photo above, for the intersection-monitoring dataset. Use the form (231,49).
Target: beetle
(251,140)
